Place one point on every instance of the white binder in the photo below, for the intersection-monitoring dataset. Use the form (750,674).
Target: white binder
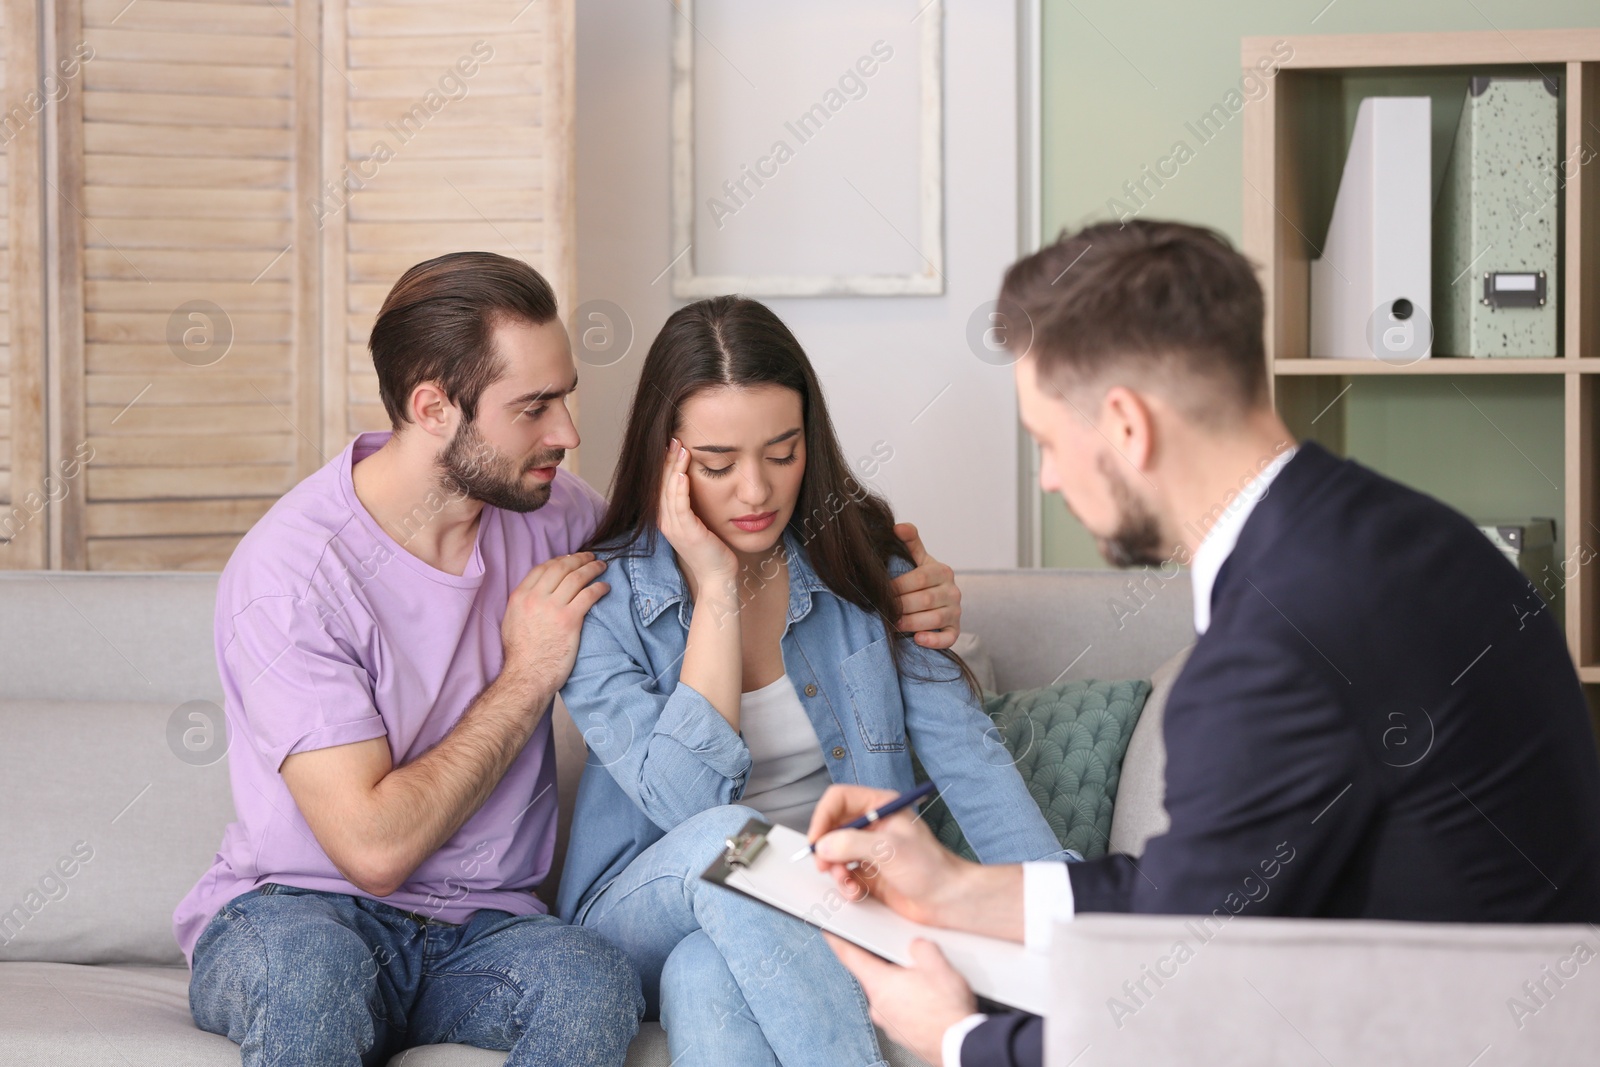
(1371,289)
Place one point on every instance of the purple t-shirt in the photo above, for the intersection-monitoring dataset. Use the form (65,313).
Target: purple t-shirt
(329,632)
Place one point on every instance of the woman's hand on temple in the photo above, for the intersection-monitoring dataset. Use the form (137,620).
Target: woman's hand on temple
(701,551)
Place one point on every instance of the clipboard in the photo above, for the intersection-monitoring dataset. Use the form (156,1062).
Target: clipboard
(755,862)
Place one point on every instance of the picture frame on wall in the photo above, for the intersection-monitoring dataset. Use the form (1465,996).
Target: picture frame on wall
(807,148)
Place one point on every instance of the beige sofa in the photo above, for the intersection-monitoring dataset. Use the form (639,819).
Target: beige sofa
(93,667)
(92,670)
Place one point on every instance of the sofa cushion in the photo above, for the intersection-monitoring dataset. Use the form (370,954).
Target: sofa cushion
(113,811)
(1140,811)
(83,635)
(71,1016)
(1067,742)
(66,1016)
(1039,624)
(61,1015)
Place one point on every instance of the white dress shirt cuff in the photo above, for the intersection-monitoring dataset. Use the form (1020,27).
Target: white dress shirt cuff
(950,1047)
(1046,897)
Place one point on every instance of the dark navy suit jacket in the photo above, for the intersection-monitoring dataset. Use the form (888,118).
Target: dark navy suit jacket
(1380,697)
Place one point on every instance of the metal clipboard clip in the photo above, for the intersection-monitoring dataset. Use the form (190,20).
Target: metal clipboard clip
(739,851)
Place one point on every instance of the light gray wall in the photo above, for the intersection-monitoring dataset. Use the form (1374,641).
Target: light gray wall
(882,360)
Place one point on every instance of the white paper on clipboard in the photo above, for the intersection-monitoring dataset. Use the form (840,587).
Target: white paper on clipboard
(1000,970)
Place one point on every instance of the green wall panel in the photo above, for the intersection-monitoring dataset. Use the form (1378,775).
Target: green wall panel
(1124,85)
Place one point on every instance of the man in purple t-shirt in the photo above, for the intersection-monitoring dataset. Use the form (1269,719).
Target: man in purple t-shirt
(390,637)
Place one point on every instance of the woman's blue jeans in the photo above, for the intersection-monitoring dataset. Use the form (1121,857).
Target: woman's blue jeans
(734,981)
(301,977)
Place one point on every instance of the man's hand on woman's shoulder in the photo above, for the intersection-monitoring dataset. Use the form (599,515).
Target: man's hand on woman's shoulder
(544,617)
(930,602)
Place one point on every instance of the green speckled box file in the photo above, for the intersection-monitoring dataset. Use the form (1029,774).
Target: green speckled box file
(1495,271)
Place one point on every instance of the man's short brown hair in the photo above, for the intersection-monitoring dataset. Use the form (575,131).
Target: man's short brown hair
(437,325)
(1156,302)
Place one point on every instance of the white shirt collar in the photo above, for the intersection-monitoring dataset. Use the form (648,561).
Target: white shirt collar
(1218,544)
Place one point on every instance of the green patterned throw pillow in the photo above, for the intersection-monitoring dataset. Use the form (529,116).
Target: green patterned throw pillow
(1067,741)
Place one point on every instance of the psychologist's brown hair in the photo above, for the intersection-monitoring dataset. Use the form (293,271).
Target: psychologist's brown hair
(1165,301)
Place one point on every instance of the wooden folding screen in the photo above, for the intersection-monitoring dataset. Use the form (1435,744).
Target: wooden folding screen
(25,494)
(230,190)
(452,126)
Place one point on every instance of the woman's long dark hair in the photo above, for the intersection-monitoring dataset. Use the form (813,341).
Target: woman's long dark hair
(847,530)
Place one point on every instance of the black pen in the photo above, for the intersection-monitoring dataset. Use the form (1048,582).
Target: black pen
(904,800)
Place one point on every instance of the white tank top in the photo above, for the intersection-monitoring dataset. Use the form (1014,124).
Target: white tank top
(787,772)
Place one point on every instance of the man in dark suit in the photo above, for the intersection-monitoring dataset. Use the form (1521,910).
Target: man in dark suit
(1380,718)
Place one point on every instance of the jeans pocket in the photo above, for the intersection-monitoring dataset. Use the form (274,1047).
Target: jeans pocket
(873,686)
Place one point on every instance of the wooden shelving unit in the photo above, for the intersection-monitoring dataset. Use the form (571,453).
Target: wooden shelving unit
(1293,155)
(1307,368)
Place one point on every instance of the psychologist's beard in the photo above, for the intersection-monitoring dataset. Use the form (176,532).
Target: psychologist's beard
(470,466)
(1136,542)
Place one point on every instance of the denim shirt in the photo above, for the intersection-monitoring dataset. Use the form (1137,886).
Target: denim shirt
(659,752)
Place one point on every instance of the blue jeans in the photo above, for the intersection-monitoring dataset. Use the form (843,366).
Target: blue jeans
(733,980)
(297,976)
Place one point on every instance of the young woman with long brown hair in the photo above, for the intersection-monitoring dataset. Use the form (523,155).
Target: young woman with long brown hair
(746,657)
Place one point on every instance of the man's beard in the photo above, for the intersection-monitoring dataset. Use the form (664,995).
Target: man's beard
(1137,540)
(471,467)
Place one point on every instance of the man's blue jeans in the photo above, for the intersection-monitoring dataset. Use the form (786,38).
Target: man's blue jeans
(297,976)
(736,982)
